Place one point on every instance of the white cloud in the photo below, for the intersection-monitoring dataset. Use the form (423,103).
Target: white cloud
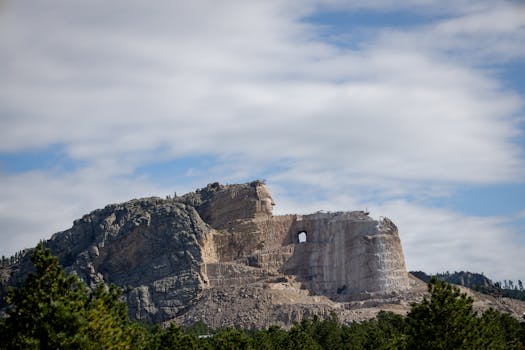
(502,19)
(481,36)
(36,204)
(434,240)
(232,83)
(426,8)
(122,84)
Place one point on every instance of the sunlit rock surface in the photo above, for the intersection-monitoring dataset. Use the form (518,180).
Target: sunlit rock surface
(219,255)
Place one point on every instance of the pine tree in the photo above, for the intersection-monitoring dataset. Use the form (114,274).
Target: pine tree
(499,331)
(174,338)
(446,320)
(55,311)
(229,339)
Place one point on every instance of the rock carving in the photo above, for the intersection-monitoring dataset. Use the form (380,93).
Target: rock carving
(173,256)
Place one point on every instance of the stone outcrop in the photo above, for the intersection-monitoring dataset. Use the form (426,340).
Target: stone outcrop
(149,247)
(175,257)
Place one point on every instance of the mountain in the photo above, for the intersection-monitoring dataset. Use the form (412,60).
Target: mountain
(478,282)
(462,278)
(220,256)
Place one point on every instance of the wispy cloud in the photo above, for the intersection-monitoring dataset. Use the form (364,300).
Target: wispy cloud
(37,204)
(122,85)
(437,240)
(434,239)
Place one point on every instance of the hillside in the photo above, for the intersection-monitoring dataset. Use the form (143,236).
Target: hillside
(478,282)
(220,256)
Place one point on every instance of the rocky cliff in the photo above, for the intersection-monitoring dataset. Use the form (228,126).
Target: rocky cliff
(220,256)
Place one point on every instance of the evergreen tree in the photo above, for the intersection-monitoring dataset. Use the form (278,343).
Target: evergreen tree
(272,338)
(446,320)
(328,333)
(499,331)
(386,331)
(300,337)
(55,311)
(175,338)
(229,339)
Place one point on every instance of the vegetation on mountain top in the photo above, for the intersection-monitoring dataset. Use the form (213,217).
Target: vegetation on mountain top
(55,311)
(478,282)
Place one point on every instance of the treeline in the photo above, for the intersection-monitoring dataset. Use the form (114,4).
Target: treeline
(7,261)
(478,282)
(56,311)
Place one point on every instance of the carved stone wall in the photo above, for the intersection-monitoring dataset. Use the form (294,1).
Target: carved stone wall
(345,253)
(165,253)
(348,254)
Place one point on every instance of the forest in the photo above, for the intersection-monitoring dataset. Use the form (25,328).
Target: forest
(53,310)
(479,283)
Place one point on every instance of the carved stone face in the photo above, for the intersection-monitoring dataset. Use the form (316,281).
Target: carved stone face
(264,196)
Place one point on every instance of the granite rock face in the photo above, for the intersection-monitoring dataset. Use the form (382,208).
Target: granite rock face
(149,247)
(172,255)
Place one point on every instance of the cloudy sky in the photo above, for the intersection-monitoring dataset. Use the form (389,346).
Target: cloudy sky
(412,109)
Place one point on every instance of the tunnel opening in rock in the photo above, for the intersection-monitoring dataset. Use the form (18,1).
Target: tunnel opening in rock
(301,237)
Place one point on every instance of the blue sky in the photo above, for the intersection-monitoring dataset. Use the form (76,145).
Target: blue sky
(414,110)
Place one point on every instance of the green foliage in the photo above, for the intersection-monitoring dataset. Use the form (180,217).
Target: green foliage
(301,337)
(328,332)
(386,331)
(272,338)
(513,293)
(16,258)
(445,321)
(229,339)
(478,282)
(382,333)
(175,338)
(55,311)
(500,331)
